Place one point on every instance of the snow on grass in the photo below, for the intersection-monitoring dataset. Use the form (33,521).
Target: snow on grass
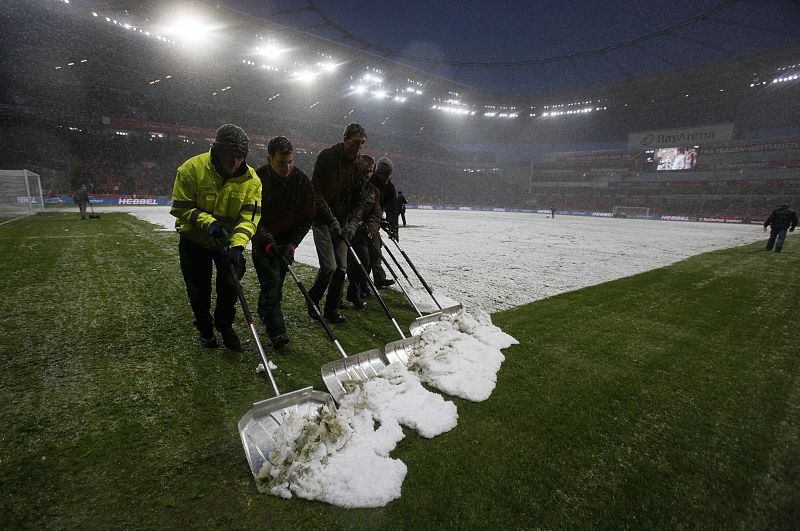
(460,354)
(341,457)
(336,457)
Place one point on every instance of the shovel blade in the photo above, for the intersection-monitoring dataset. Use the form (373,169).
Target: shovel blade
(338,374)
(418,325)
(401,350)
(257,426)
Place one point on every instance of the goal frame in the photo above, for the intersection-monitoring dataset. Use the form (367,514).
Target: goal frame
(21,204)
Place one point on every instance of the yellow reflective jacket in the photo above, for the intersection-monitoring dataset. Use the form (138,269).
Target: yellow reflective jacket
(201,196)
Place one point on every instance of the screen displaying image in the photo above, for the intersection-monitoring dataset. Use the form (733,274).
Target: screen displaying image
(674,158)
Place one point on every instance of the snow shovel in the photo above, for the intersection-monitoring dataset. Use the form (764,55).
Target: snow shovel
(397,280)
(396,350)
(400,267)
(417,325)
(339,374)
(93,215)
(257,426)
(401,350)
(375,290)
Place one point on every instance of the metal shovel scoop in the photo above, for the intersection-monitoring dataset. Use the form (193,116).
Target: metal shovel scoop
(339,375)
(258,425)
(396,351)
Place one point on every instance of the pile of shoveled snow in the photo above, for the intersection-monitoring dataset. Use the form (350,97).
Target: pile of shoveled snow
(460,354)
(342,457)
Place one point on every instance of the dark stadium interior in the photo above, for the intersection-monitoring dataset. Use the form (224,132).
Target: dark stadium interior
(102,104)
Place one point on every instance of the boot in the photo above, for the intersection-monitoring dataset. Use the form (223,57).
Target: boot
(230,339)
(335,318)
(209,341)
(207,337)
(279,341)
(357,303)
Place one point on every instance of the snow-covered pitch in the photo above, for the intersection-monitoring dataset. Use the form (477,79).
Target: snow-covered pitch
(485,260)
(496,261)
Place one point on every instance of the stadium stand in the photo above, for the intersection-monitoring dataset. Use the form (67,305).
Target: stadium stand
(101,102)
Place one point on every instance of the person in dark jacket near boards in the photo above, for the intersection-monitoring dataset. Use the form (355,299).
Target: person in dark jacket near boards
(338,180)
(367,235)
(382,180)
(401,205)
(780,220)
(288,206)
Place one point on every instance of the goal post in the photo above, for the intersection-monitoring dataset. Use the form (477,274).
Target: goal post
(630,212)
(20,193)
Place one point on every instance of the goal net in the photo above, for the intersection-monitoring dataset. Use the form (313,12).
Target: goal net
(630,212)
(20,193)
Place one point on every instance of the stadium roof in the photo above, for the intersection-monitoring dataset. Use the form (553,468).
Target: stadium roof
(541,46)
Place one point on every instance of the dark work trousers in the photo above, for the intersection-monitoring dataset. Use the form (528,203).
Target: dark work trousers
(332,255)
(403,215)
(375,262)
(271,274)
(355,276)
(776,238)
(196,266)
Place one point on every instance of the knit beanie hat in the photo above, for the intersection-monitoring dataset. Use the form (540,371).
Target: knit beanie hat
(384,164)
(233,138)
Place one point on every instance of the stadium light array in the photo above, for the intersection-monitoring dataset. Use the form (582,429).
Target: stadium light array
(495,111)
(784,79)
(271,49)
(328,66)
(305,76)
(191,29)
(453,110)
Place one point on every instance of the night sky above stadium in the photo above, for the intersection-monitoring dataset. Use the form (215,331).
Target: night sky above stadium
(518,30)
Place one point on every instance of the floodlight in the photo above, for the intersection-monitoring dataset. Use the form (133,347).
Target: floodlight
(192,29)
(306,76)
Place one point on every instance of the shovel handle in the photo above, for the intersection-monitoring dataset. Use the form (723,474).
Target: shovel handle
(322,319)
(374,289)
(413,268)
(391,254)
(394,275)
(249,317)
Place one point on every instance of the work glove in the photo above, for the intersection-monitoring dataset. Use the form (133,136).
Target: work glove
(236,257)
(385,225)
(335,228)
(765,228)
(219,232)
(349,230)
(269,243)
(287,252)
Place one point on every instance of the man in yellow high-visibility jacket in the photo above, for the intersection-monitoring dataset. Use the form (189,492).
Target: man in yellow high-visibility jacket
(216,202)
